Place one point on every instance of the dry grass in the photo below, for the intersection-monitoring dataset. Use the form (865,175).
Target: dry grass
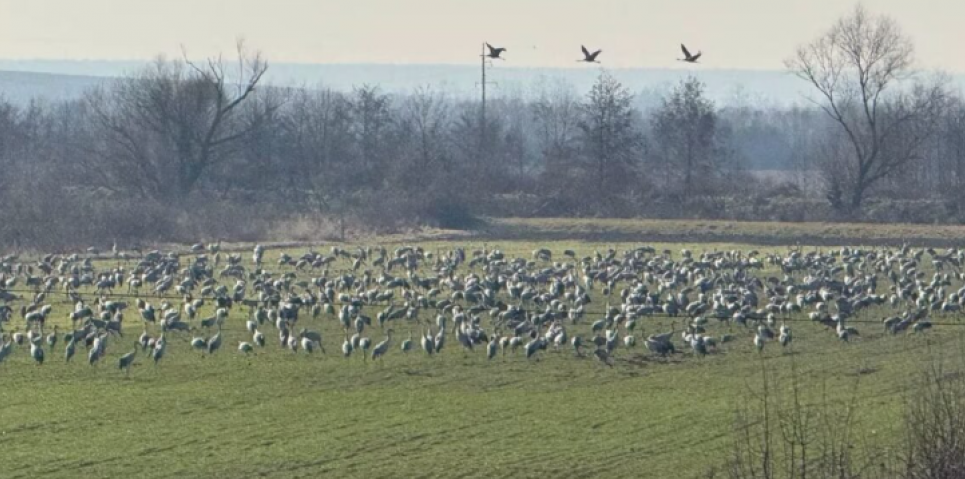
(707,231)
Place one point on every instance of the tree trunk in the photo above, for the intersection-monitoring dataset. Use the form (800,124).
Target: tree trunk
(857,196)
(341,226)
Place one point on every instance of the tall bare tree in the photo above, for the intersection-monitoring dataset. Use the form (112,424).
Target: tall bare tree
(426,114)
(687,144)
(556,115)
(952,145)
(862,69)
(173,122)
(317,151)
(372,118)
(610,139)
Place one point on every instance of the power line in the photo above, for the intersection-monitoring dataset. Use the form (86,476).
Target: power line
(600,313)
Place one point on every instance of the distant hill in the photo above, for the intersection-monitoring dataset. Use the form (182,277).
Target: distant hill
(68,78)
(22,79)
(21,87)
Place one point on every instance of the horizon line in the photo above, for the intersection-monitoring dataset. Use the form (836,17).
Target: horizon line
(504,65)
(413,64)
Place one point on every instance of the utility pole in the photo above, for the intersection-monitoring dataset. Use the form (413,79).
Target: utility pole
(482,116)
(482,111)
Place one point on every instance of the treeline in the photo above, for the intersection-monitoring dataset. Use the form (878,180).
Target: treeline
(184,150)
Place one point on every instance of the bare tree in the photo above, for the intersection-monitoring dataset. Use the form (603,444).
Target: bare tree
(371,124)
(175,120)
(317,145)
(514,156)
(859,68)
(610,140)
(687,142)
(556,116)
(950,150)
(426,113)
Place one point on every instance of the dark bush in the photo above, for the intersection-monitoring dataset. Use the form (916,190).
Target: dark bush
(451,214)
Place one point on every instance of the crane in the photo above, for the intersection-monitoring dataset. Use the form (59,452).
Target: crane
(687,56)
(589,57)
(494,52)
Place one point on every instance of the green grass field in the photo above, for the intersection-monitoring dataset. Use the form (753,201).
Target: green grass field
(279,414)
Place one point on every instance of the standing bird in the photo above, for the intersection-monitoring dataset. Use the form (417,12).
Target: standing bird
(699,345)
(845,333)
(758,342)
(347,348)
(785,337)
(603,356)
(492,347)
(532,347)
(200,344)
(383,347)
(158,351)
(6,347)
(37,352)
(245,347)
(589,57)
(407,344)
(687,56)
(514,343)
(93,355)
(463,338)
(144,339)
(126,361)
(215,342)
(765,332)
(147,313)
(494,52)
(313,336)
(577,344)
(52,338)
(440,340)
(364,344)
(428,344)
(308,345)
(69,350)
(359,324)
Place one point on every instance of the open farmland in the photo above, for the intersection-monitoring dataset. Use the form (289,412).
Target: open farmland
(529,240)
(281,413)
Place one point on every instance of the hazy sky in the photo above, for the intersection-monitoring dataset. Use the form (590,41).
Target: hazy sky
(756,34)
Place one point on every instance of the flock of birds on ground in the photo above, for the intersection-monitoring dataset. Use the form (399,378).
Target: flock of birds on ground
(481,299)
(495,53)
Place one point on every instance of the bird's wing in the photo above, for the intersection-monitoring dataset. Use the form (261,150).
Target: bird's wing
(585,51)
(686,52)
(593,56)
(696,56)
(490,47)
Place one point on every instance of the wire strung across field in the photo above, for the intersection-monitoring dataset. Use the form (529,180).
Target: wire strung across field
(708,317)
(893,388)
